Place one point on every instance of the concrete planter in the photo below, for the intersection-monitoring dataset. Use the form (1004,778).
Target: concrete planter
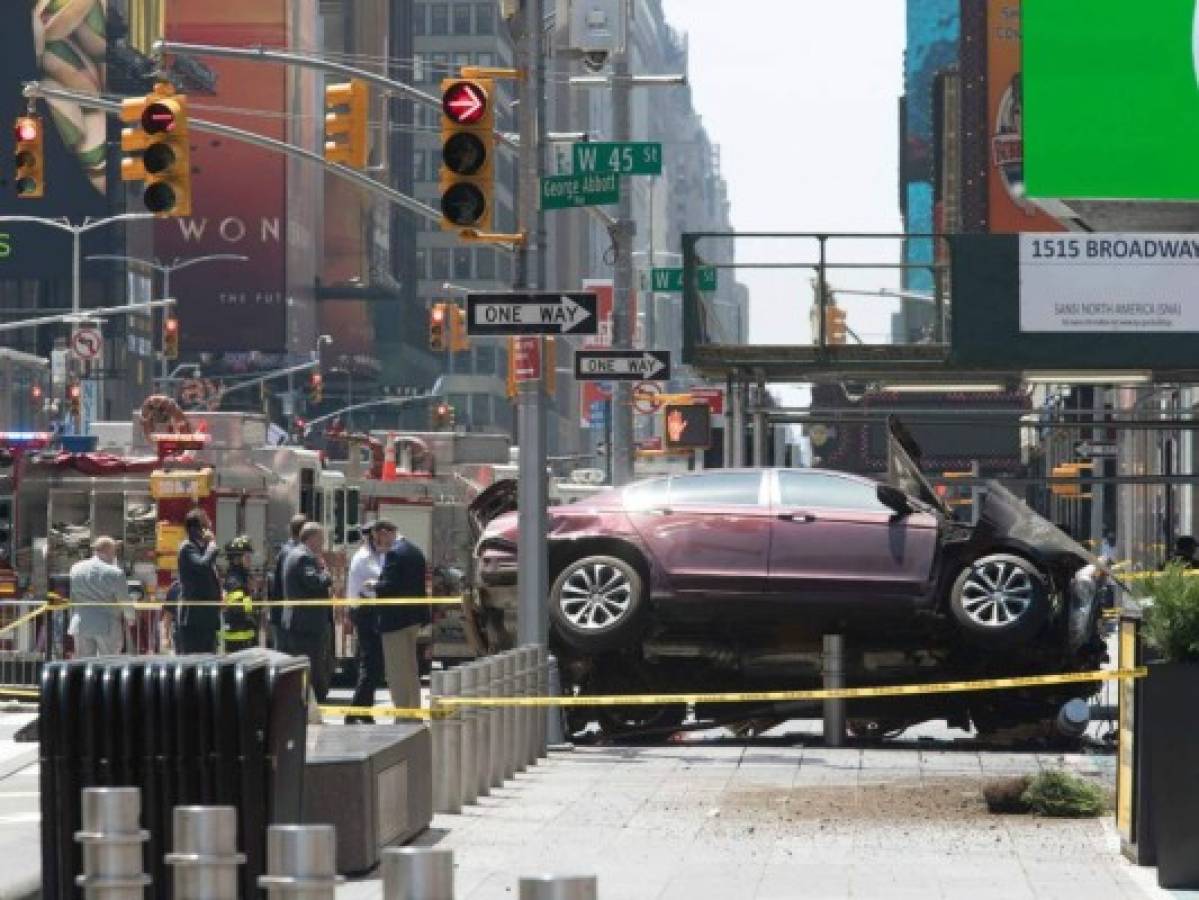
(1172,732)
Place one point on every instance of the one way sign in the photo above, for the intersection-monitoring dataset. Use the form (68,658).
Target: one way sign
(622,365)
(541,313)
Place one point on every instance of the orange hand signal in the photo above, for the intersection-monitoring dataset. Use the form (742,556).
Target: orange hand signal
(675,426)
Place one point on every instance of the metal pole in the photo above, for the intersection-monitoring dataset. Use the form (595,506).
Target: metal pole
(524,674)
(466,754)
(447,767)
(162,355)
(301,861)
(496,748)
(510,729)
(484,687)
(553,714)
(760,426)
(532,493)
(624,309)
(205,858)
(737,424)
(558,887)
(112,844)
(833,668)
(76,287)
(418,873)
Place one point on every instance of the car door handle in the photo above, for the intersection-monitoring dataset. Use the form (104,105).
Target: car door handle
(802,518)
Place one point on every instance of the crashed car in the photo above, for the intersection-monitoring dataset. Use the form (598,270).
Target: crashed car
(728,579)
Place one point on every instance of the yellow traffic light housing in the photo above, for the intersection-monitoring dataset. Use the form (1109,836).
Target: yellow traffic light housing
(29,158)
(75,399)
(1066,470)
(346,113)
(836,330)
(459,341)
(157,148)
(442,417)
(467,178)
(170,338)
(437,328)
(316,387)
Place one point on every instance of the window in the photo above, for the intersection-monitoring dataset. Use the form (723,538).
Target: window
(419,13)
(505,267)
(461,18)
(725,489)
(439,18)
(462,262)
(420,67)
(460,60)
(485,359)
(646,494)
(485,264)
(440,267)
(827,491)
(485,59)
(419,159)
(484,19)
(439,66)
(419,263)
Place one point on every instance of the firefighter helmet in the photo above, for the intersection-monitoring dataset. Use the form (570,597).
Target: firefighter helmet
(240,544)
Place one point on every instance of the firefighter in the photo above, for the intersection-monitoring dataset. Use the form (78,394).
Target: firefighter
(239,629)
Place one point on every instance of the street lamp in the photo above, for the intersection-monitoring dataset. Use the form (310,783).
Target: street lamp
(165,270)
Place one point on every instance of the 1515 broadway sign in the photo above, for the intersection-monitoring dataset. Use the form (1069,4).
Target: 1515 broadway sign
(1125,283)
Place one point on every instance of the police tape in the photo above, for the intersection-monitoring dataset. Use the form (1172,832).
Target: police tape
(21,620)
(13,691)
(268,604)
(389,712)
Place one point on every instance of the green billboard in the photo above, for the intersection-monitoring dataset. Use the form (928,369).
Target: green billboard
(1111,99)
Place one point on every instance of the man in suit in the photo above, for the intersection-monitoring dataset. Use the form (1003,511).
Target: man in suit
(196,626)
(306,629)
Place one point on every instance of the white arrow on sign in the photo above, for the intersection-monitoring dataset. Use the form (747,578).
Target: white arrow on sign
(566,314)
(467,105)
(646,365)
(1082,448)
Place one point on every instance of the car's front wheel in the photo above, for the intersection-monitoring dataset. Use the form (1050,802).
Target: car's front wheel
(598,603)
(1000,598)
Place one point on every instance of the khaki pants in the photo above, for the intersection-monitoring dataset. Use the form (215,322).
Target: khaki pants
(401,667)
(109,643)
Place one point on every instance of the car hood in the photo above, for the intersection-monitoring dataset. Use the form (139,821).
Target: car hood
(903,467)
(493,502)
(1004,515)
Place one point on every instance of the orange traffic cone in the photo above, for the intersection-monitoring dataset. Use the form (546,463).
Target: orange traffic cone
(389,459)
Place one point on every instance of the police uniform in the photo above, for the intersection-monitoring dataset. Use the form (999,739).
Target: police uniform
(239,624)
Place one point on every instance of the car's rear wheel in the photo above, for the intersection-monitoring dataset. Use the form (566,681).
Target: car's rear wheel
(598,603)
(1000,598)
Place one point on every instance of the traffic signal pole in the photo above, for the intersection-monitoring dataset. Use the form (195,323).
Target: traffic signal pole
(624,312)
(531,268)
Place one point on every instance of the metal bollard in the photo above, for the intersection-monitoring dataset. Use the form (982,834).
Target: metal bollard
(509,747)
(558,887)
(205,858)
(301,861)
(418,873)
(469,784)
(543,689)
(485,688)
(447,770)
(833,669)
(531,712)
(112,839)
(496,714)
(522,718)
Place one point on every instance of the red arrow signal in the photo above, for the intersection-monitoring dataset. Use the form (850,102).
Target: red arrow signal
(464,102)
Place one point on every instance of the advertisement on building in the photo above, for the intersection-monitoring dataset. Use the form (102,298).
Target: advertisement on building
(1111,97)
(1126,283)
(239,192)
(1008,208)
(593,394)
(65,44)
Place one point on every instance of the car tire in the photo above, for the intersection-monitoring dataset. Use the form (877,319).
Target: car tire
(999,599)
(598,603)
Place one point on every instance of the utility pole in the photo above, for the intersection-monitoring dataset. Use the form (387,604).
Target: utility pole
(531,268)
(624,307)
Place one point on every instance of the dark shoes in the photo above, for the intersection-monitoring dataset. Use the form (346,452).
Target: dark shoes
(359,720)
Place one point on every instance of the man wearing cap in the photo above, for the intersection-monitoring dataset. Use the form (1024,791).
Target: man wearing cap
(365,567)
(98,586)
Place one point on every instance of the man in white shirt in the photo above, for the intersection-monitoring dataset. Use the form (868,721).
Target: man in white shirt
(98,586)
(365,566)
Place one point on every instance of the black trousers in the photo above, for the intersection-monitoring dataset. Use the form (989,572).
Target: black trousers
(314,645)
(195,641)
(370,668)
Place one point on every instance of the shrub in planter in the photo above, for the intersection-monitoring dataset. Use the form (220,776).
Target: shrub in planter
(1064,796)
(1171,724)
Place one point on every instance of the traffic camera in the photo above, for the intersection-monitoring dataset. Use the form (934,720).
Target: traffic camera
(170,338)
(29,158)
(158,148)
(437,335)
(346,111)
(467,181)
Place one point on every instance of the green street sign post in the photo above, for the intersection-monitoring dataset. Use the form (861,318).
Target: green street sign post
(634,158)
(569,191)
(671,280)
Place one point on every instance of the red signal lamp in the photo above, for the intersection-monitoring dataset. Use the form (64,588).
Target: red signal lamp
(27,130)
(464,102)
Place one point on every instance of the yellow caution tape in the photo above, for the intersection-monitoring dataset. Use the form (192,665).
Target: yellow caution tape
(400,712)
(6,691)
(266,604)
(28,617)
(906,690)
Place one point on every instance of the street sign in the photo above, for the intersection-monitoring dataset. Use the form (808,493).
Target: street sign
(87,343)
(645,397)
(526,359)
(714,397)
(688,426)
(58,369)
(1093,449)
(535,313)
(671,280)
(569,191)
(622,365)
(633,158)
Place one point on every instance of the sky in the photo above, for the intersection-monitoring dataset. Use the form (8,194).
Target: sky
(802,97)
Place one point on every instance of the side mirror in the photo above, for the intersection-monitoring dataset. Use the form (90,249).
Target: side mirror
(895,499)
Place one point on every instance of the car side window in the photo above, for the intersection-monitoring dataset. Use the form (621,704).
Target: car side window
(725,489)
(649,494)
(820,490)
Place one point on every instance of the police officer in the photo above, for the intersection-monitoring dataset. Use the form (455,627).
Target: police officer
(239,629)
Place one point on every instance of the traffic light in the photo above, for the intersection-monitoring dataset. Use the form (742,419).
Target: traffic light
(835,328)
(29,158)
(688,426)
(346,108)
(467,148)
(316,388)
(35,396)
(75,399)
(443,417)
(170,338)
(437,323)
(160,156)
(1067,470)
(459,341)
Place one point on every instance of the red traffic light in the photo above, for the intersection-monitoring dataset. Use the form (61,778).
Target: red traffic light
(464,102)
(438,313)
(157,118)
(36,392)
(26,130)
(172,325)
(317,378)
(74,392)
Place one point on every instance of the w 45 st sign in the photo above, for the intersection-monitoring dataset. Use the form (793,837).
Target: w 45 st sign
(629,158)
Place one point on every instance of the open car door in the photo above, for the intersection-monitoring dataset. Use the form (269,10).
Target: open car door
(903,467)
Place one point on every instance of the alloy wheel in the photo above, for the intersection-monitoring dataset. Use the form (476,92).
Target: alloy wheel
(595,596)
(997,593)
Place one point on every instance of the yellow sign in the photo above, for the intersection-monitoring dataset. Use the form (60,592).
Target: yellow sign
(167,539)
(181,484)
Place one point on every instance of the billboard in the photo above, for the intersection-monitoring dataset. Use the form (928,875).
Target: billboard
(239,192)
(1008,208)
(60,44)
(1111,100)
